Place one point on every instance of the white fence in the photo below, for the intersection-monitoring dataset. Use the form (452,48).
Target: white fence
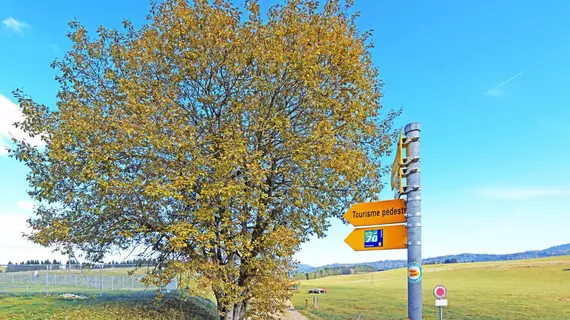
(80,278)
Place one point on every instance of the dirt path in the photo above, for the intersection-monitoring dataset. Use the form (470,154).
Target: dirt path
(292,314)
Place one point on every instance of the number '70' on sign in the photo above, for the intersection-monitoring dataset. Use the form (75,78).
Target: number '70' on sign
(373,238)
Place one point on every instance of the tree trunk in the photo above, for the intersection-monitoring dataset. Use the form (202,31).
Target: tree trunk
(233,312)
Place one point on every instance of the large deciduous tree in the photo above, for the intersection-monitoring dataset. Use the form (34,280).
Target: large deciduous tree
(214,140)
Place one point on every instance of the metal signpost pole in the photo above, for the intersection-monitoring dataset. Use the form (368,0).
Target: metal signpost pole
(413,203)
(396,224)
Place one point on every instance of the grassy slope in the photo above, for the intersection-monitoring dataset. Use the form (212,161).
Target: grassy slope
(526,289)
(35,307)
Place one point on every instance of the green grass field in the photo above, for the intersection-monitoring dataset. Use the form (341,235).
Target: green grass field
(526,289)
(116,307)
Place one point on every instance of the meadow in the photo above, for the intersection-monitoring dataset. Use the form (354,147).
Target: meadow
(24,297)
(508,290)
(523,289)
(110,307)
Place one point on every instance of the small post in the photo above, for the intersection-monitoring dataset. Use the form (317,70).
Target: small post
(112,283)
(101,281)
(413,203)
(76,282)
(306,303)
(47,279)
(315,302)
(440,313)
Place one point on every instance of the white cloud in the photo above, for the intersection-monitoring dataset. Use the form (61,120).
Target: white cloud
(14,247)
(11,113)
(518,193)
(26,205)
(15,25)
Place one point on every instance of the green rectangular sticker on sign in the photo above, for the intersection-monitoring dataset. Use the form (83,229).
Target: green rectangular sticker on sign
(373,238)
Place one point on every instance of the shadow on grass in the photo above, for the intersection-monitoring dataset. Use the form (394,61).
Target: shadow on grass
(171,306)
(196,307)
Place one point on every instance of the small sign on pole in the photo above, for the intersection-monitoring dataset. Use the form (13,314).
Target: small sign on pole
(378,238)
(396,177)
(440,292)
(376,213)
(414,272)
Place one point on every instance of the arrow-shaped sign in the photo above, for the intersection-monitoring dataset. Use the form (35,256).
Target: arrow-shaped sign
(396,181)
(378,238)
(376,213)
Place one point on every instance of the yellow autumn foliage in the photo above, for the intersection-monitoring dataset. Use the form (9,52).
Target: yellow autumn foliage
(217,141)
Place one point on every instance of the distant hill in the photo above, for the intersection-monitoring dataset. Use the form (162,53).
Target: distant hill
(560,250)
(306,268)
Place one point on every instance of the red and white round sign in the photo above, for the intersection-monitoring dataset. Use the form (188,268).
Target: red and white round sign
(440,292)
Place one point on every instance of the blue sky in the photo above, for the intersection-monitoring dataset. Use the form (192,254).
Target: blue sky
(487,80)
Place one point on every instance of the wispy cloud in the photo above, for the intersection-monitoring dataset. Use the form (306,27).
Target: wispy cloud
(11,113)
(519,193)
(53,48)
(26,205)
(15,25)
(496,90)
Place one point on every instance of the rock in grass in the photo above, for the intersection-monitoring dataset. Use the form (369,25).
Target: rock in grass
(71,296)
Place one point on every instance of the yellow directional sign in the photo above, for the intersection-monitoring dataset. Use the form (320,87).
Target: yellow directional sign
(396,167)
(378,238)
(375,213)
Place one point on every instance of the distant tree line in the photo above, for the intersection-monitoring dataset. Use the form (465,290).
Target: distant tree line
(333,271)
(447,260)
(37,265)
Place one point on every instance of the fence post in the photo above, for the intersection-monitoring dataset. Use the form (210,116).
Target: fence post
(112,283)
(101,281)
(47,279)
